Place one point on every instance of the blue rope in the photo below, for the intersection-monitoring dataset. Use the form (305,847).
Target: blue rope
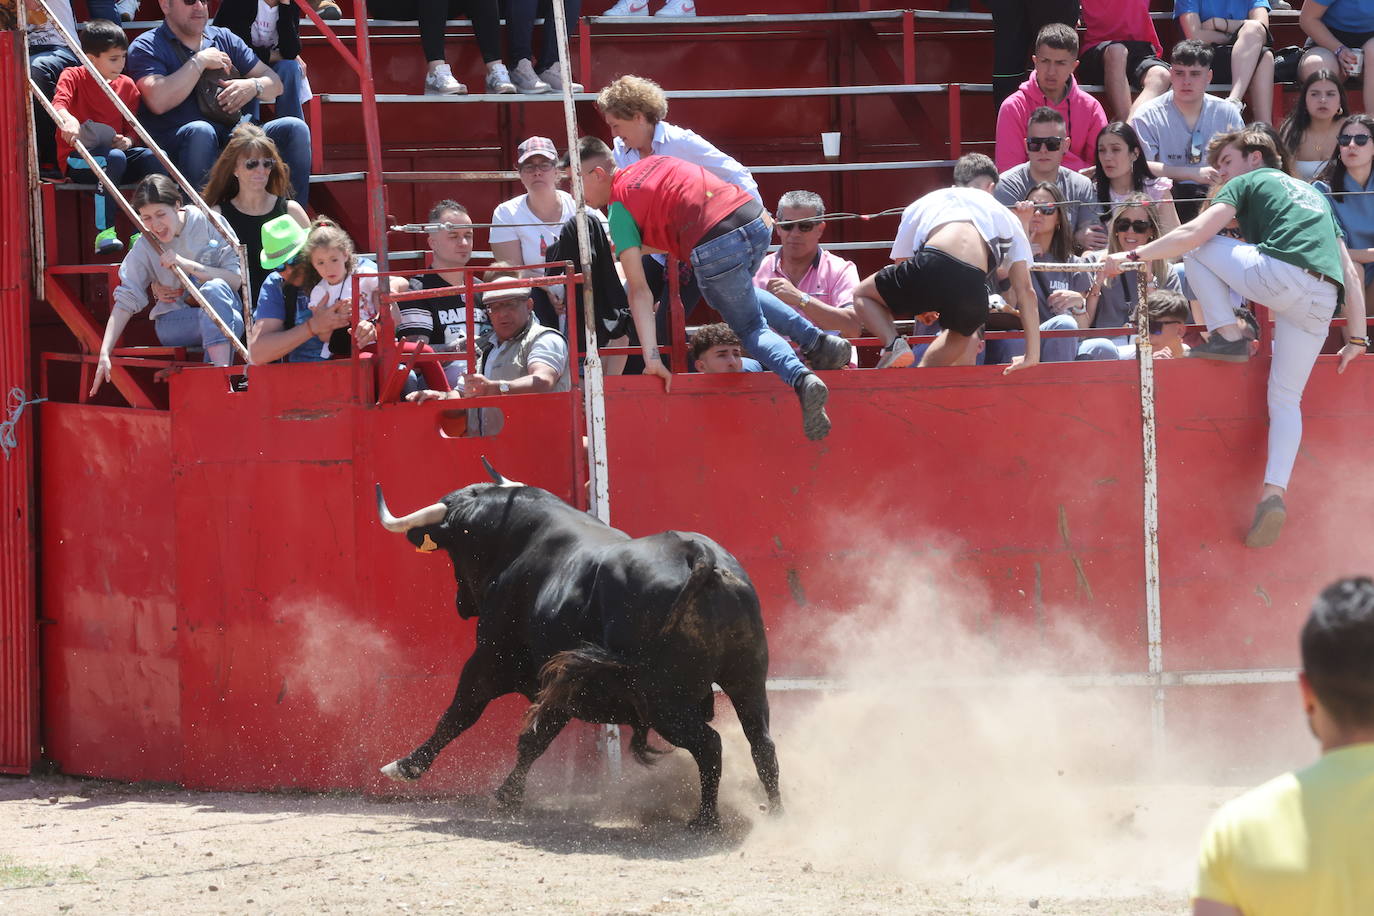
(18,402)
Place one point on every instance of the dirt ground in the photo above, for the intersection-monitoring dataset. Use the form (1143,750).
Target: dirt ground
(82,846)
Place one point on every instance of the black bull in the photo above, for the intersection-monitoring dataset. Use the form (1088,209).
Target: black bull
(592,624)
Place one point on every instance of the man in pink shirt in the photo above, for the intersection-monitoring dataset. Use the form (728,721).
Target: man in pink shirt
(1052,85)
(1121,50)
(805,276)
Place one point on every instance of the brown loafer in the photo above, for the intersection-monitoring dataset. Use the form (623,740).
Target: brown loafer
(1270,515)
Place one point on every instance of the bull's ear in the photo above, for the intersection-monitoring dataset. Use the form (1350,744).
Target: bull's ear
(496,476)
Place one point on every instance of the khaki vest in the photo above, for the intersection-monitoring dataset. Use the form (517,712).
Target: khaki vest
(508,361)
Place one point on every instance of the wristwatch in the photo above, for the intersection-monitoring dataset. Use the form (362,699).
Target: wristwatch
(805,300)
(504,387)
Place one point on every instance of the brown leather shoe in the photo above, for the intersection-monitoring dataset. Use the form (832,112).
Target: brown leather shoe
(1270,515)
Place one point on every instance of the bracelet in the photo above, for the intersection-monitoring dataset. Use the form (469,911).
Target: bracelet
(1358,341)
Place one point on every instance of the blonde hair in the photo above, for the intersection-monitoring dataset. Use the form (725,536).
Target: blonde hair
(631,95)
(1159,269)
(245,141)
(325,233)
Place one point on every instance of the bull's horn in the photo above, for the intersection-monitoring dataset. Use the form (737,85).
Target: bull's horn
(497,477)
(429,515)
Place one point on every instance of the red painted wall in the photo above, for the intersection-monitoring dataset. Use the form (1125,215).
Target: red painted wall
(310,646)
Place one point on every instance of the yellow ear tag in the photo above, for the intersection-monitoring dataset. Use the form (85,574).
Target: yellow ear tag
(426,546)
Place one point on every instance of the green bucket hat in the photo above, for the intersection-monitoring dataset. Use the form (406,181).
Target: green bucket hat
(281,239)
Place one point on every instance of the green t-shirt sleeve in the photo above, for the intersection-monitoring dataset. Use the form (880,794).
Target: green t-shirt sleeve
(1232,192)
(624,229)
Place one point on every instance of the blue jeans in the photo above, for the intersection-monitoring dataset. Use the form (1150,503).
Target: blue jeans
(195,145)
(104,9)
(725,269)
(191,327)
(1052,349)
(288,104)
(46,63)
(121,165)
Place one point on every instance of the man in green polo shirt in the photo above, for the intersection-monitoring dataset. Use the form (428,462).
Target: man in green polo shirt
(1295,262)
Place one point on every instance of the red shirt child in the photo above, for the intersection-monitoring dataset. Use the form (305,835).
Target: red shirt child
(78,94)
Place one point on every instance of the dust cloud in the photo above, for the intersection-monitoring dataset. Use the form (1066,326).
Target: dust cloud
(1029,787)
(333,657)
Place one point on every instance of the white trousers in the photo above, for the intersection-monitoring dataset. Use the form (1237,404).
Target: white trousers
(1302,307)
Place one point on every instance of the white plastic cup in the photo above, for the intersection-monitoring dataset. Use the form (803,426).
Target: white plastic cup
(830,144)
(1359,62)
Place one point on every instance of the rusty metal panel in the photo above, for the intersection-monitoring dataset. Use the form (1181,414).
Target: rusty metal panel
(18,609)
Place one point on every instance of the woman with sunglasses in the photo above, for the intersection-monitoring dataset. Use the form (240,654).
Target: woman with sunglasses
(1112,301)
(1060,296)
(1311,127)
(1346,183)
(1122,171)
(250,185)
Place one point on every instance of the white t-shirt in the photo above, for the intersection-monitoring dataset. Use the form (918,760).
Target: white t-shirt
(1002,231)
(263,31)
(328,293)
(534,240)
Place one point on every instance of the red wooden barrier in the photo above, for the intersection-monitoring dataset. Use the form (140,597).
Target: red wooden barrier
(18,637)
(310,646)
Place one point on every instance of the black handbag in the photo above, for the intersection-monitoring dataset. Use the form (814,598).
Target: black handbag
(208,89)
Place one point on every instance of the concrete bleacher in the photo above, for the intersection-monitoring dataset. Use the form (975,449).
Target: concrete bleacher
(907,89)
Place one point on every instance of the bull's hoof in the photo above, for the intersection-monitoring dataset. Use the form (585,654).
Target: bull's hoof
(705,822)
(510,798)
(400,771)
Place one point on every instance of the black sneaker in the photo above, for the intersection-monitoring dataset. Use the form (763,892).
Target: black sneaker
(1270,515)
(1219,348)
(830,352)
(813,394)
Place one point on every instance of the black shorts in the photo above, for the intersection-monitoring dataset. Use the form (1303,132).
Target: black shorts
(933,281)
(1140,57)
(1221,58)
(1352,40)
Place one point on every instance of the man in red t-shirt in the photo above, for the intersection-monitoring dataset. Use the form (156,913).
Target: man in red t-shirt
(1121,50)
(85,111)
(665,204)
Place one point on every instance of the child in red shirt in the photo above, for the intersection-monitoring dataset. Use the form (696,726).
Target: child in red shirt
(85,112)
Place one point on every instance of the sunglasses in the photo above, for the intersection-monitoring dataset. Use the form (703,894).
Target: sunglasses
(536,167)
(1137,225)
(1357,139)
(255,164)
(1044,209)
(1157,327)
(194,2)
(800,225)
(1035,144)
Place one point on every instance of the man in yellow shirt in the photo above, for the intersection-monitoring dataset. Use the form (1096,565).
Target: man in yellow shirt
(1304,843)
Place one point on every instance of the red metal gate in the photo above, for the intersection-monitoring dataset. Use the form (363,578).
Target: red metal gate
(18,633)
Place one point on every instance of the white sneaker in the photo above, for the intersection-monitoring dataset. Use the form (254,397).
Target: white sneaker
(678,8)
(524,79)
(440,81)
(555,81)
(896,355)
(629,8)
(498,79)
(127,9)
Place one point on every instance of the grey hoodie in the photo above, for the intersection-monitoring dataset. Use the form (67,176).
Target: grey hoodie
(197,240)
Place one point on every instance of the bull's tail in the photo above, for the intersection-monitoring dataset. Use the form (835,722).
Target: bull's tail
(586,669)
